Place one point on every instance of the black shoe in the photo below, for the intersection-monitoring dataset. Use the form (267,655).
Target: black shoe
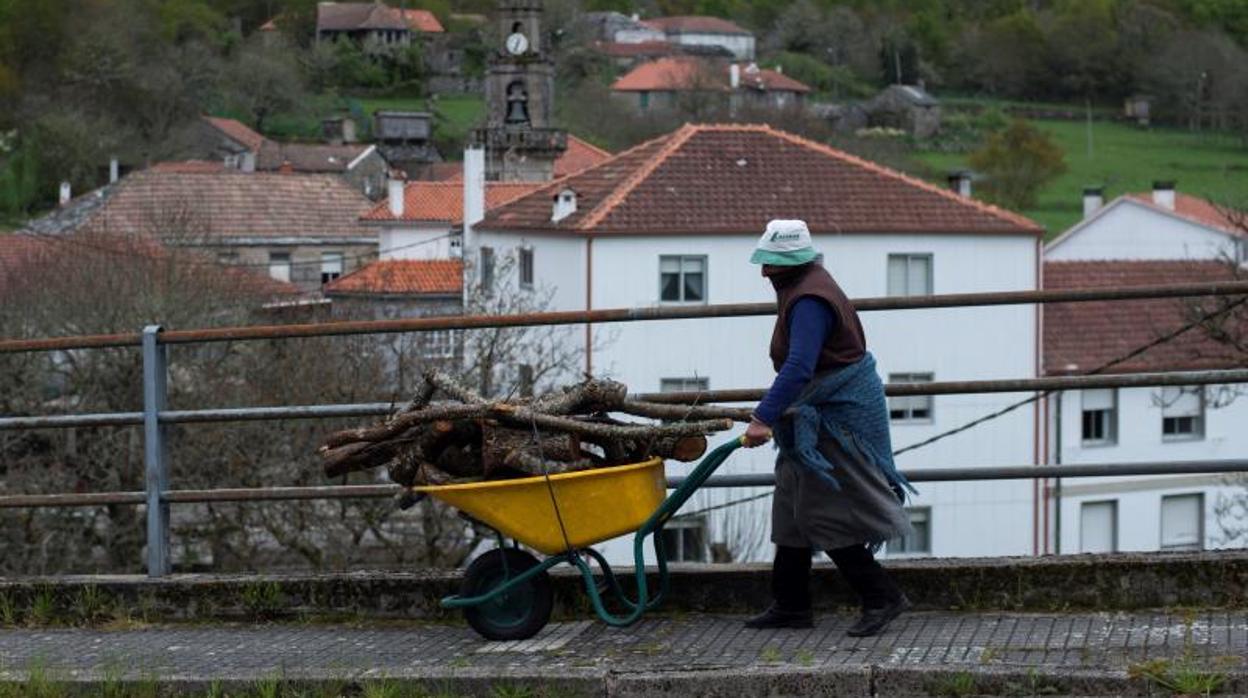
(874,620)
(776,617)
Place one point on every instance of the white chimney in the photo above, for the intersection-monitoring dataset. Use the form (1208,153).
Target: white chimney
(734,76)
(248,163)
(394,194)
(66,193)
(565,205)
(960,182)
(1093,199)
(1163,195)
(474,191)
(114,170)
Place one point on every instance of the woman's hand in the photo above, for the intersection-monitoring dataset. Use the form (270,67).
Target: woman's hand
(756,434)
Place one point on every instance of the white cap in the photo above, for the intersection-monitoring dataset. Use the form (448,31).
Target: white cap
(784,243)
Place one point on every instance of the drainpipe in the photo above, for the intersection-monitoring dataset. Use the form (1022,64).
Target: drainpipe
(1057,484)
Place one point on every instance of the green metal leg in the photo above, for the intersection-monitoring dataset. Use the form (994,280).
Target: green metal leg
(456,601)
(653,526)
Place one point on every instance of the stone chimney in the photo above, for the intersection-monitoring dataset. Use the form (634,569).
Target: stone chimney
(114,170)
(1163,195)
(395,194)
(734,76)
(67,193)
(565,205)
(960,182)
(248,163)
(474,191)
(1093,200)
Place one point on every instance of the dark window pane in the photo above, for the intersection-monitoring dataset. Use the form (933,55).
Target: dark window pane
(693,287)
(670,284)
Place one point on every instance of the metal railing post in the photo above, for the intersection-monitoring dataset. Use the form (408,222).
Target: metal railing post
(155,375)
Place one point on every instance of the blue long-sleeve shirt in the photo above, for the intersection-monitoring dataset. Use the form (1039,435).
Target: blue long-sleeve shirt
(810,322)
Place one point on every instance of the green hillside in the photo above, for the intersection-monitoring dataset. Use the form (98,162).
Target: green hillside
(1124,158)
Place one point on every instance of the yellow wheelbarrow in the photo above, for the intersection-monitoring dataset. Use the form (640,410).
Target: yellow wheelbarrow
(506,593)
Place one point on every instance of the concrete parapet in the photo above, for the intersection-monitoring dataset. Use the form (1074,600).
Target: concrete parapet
(1089,582)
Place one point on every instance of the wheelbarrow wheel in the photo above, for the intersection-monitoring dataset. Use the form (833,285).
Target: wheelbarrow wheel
(517,614)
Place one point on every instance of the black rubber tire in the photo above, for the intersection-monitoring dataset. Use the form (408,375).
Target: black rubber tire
(521,612)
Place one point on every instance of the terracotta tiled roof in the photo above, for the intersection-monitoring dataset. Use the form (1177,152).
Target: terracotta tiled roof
(694,25)
(184,166)
(616,49)
(402,277)
(237,131)
(578,156)
(439,172)
(309,157)
(443,202)
(352,16)
(1081,337)
(27,260)
(230,203)
(423,21)
(687,73)
(1197,210)
(675,73)
(732,179)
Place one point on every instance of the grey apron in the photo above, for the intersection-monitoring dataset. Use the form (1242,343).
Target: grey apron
(807,512)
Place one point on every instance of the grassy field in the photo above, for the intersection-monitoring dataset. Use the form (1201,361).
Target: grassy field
(456,115)
(1123,159)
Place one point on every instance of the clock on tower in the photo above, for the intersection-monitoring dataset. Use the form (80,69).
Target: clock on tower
(519,142)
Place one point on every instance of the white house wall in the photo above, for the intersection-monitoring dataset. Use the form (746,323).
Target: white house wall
(971,518)
(741,45)
(1133,231)
(416,241)
(1139,440)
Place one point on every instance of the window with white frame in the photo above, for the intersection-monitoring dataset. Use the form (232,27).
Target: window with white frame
(682,278)
(1183,522)
(919,542)
(526,267)
(684,385)
(331,266)
(279,266)
(1098,527)
(910,275)
(438,344)
(1182,413)
(487,268)
(684,540)
(1099,417)
(910,408)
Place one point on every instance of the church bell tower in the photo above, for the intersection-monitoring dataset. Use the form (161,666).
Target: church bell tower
(520,143)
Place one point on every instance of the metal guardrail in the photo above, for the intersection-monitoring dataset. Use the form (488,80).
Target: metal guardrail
(580,317)
(155,417)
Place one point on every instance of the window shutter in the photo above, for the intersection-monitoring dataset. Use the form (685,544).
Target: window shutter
(1098,400)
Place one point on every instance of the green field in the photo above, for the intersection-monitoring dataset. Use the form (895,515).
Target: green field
(1123,159)
(456,115)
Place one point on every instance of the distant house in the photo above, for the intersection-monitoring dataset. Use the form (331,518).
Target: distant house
(659,84)
(238,147)
(627,55)
(297,228)
(907,107)
(578,156)
(615,27)
(372,24)
(705,31)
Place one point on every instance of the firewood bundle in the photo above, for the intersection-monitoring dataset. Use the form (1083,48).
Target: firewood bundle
(464,437)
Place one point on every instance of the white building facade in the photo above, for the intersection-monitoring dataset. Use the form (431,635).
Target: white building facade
(674,221)
(1142,239)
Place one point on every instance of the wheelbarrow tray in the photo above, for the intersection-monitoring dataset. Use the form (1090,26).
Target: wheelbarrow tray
(594,505)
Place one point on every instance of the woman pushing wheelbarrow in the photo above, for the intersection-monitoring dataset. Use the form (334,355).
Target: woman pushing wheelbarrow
(837,488)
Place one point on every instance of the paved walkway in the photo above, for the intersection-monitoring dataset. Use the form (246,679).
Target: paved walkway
(691,654)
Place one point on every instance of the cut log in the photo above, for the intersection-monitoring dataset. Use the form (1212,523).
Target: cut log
(590,396)
(655,410)
(395,427)
(453,387)
(534,465)
(499,442)
(682,448)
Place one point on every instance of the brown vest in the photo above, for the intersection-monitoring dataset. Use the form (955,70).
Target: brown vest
(844,346)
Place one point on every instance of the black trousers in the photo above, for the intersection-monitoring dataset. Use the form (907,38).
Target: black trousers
(790,577)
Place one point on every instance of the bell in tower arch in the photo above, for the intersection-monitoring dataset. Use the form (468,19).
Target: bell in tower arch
(517,104)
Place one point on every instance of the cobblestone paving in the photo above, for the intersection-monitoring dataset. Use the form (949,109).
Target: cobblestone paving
(1113,641)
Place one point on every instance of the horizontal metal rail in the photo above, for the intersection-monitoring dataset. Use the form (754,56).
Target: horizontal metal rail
(579,317)
(269,494)
(367,409)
